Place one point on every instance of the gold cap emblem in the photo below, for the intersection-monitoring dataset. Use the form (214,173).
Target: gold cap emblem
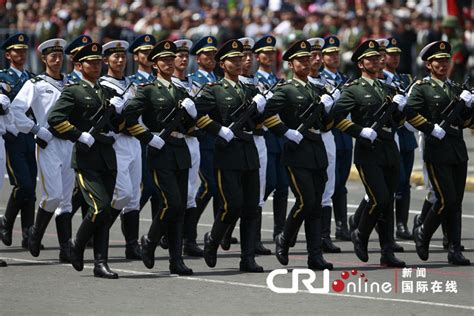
(371,44)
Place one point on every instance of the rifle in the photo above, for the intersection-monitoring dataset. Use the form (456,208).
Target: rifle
(174,117)
(385,111)
(454,108)
(247,110)
(312,114)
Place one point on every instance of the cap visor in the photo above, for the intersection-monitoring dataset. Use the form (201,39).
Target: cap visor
(439,56)
(92,57)
(143,47)
(330,50)
(300,54)
(266,49)
(233,54)
(369,54)
(17,46)
(393,50)
(207,49)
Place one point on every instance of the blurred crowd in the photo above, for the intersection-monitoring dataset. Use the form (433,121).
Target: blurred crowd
(414,23)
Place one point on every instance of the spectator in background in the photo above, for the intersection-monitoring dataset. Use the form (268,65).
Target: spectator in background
(76,24)
(112,31)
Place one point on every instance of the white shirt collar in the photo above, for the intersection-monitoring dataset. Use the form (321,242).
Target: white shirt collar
(144,74)
(264,73)
(333,75)
(18,72)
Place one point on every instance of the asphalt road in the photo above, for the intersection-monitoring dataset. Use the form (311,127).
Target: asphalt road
(44,286)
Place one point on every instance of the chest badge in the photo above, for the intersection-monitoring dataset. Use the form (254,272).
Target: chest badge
(161,99)
(299,97)
(88,98)
(437,96)
(228,98)
(367,96)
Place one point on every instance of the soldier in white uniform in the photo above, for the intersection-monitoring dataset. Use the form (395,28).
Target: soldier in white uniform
(191,215)
(126,197)
(53,155)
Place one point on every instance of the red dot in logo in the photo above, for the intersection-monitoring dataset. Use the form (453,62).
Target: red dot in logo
(362,275)
(366,280)
(338,286)
(353,271)
(345,275)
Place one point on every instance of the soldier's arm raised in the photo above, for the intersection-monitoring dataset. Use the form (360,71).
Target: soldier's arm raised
(60,115)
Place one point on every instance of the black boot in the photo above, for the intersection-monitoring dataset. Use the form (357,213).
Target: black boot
(422,243)
(327,244)
(388,259)
(360,245)
(101,251)
(212,240)
(130,228)
(3,263)
(27,212)
(386,231)
(63,228)
(150,241)
(280,205)
(227,239)
(36,232)
(248,231)
(402,207)
(454,228)
(281,248)
(8,219)
(316,260)
(77,244)
(456,257)
(190,246)
(260,249)
(340,215)
(419,218)
(175,239)
(114,213)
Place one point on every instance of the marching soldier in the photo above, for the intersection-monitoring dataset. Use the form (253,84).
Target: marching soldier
(332,62)
(126,197)
(93,158)
(304,154)
(406,140)
(276,177)
(191,215)
(444,152)
(168,157)
(376,155)
(74,77)
(236,157)
(38,95)
(20,147)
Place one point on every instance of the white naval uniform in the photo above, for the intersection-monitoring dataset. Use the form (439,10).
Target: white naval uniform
(5,120)
(259,143)
(54,162)
(330,145)
(128,151)
(193,147)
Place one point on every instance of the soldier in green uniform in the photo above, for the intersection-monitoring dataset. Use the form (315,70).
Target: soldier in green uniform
(93,157)
(304,155)
(445,153)
(235,156)
(376,155)
(168,157)
(452,33)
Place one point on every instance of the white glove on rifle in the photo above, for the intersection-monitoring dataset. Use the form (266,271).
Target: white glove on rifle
(410,127)
(190,107)
(156,142)
(268,95)
(44,134)
(86,139)
(260,101)
(226,133)
(118,104)
(294,135)
(438,132)
(466,96)
(368,133)
(4,101)
(327,101)
(336,95)
(401,101)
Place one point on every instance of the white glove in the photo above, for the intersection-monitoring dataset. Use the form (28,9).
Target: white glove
(410,127)
(327,101)
(336,95)
(268,95)
(4,101)
(118,103)
(260,101)
(294,135)
(368,133)
(226,133)
(401,101)
(156,142)
(189,106)
(86,139)
(438,132)
(44,134)
(466,96)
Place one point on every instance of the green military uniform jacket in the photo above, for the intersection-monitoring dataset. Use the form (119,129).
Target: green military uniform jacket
(426,100)
(361,100)
(282,111)
(214,106)
(153,102)
(73,114)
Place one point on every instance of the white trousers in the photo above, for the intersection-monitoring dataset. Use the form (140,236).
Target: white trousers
(193,177)
(129,173)
(2,161)
(330,144)
(56,176)
(430,196)
(262,158)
